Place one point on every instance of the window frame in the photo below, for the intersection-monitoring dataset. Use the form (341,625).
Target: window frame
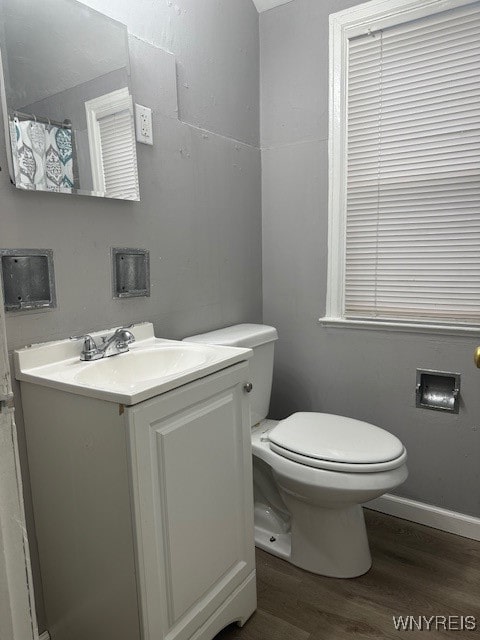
(349,23)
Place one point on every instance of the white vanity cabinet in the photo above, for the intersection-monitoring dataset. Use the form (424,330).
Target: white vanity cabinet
(192,496)
(144,513)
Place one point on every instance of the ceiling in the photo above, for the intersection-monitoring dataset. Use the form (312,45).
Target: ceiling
(265,5)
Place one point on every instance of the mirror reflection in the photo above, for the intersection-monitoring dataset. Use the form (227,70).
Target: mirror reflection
(66,99)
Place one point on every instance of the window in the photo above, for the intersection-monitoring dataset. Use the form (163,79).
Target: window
(404,207)
(111,138)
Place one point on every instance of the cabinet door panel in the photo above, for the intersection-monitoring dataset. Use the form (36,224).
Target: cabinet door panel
(198,453)
(193,479)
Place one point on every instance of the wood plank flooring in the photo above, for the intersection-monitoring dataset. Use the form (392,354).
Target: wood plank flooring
(416,571)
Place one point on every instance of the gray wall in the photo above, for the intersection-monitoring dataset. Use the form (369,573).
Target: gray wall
(200,209)
(369,375)
(51,33)
(216,45)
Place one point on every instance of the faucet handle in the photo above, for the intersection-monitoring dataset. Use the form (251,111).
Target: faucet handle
(89,347)
(124,337)
(89,343)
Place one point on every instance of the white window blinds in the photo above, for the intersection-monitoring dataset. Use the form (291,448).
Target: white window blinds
(118,152)
(413,165)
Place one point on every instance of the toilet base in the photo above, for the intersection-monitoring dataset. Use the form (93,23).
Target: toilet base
(329,542)
(278,544)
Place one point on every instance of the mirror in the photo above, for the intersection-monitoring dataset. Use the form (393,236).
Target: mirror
(66,99)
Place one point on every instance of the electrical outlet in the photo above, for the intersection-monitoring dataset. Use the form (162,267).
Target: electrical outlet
(143,119)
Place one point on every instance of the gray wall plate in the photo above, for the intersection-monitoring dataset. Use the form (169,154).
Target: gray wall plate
(130,273)
(28,279)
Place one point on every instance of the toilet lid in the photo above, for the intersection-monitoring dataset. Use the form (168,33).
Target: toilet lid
(323,436)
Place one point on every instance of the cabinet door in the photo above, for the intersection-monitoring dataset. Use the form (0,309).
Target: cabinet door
(192,491)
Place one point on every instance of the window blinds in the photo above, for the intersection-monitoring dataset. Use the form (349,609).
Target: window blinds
(413,166)
(117,140)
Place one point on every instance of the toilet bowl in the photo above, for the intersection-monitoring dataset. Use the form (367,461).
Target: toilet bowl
(322,524)
(312,471)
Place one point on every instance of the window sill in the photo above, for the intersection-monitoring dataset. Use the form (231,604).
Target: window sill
(406,327)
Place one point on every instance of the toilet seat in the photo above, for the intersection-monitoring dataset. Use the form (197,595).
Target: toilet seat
(336,443)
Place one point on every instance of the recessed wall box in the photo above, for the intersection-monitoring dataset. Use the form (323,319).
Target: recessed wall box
(131,273)
(439,390)
(28,279)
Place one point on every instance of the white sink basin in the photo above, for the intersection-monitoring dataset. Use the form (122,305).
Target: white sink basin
(143,365)
(152,366)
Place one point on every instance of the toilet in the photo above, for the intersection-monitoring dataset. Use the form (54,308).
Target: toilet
(312,471)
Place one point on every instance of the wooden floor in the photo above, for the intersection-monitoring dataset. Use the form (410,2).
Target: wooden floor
(416,571)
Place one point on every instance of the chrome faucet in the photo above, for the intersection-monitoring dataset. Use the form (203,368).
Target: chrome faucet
(117,343)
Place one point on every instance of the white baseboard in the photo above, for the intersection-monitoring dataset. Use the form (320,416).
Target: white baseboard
(45,636)
(436,517)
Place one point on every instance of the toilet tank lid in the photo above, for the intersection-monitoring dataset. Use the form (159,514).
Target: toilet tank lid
(238,335)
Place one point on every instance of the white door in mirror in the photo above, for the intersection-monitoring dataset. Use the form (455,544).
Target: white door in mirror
(143,121)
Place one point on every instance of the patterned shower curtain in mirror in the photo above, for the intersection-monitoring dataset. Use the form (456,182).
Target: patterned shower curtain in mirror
(42,156)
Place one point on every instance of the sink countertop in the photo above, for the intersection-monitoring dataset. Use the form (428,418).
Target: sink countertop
(162,365)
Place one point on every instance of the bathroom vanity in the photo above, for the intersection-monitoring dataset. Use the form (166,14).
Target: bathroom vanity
(142,488)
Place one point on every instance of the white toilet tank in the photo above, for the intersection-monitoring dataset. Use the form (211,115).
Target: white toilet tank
(261,338)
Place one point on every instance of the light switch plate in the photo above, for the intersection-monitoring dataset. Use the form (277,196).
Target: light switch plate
(143,121)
